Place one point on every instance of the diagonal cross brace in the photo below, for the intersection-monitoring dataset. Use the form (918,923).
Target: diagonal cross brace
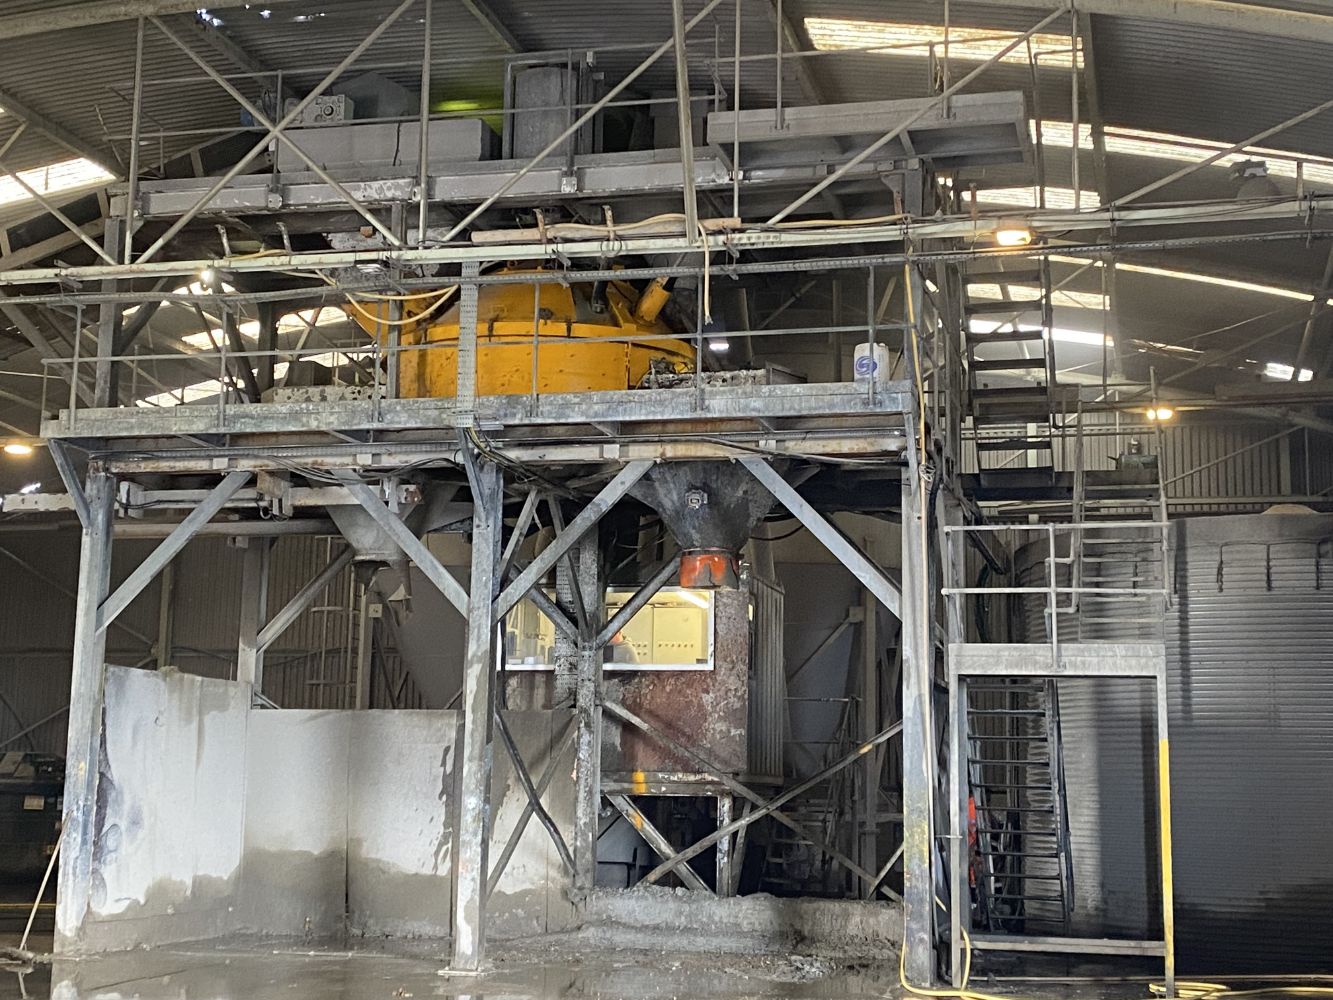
(875,581)
(284,619)
(413,547)
(169,548)
(578,527)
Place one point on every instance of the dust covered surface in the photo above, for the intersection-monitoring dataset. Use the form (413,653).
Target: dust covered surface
(551,967)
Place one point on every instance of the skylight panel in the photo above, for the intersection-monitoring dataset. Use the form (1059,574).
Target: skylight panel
(965,44)
(1027,197)
(53,178)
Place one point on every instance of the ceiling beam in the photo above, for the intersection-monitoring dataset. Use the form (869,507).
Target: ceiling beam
(486,17)
(54,130)
(795,42)
(1224,15)
(98,12)
(224,45)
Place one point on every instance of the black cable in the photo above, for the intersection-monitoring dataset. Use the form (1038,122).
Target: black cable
(760,538)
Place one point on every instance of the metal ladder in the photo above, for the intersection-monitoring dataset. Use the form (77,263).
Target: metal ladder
(1024,882)
(1115,562)
(1011,418)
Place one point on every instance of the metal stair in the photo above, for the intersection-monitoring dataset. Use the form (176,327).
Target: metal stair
(792,866)
(1014,335)
(1024,878)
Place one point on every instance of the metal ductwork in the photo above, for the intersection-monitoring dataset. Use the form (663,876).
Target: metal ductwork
(709,508)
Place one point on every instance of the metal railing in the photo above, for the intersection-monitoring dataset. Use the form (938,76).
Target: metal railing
(1069,593)
(225,377)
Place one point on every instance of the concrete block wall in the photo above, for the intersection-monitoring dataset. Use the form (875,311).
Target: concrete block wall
(217,820)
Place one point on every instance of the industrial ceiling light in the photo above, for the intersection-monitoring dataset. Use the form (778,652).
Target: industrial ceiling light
(29,489)
(1159,414)
(1013,233)
(207,277)
(719,345)
(18,449)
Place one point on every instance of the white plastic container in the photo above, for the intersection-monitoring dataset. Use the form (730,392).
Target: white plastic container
(867,368)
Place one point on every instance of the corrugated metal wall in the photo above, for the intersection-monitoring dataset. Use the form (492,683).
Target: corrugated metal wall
(768,681)
(1250,687)
(308,667)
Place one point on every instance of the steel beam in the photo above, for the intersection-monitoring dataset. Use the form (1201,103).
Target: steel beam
(774,804)
(70,478)
(109,322)
(1222,15)
(1247,18)
(224,45)
(657,841)
(47,126)
(918,737)
(757,239)
(278,131)
(99,12)
(533,795)
(558,748)
(722,876)
(587,582)
(819,650)
(301,600)
(83,751)
(33,335)
(638,602)
(520,531)
(577,124)
(169,548)
(1192,168)
(745,792)
(487,19)
(884,590)
(254,611)
(685,119)
(474,813)
(46,203)
(902,128)
(271,131)
(788,36)
(413,547)
(589,516)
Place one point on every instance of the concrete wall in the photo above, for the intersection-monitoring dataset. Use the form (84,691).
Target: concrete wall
(400,827)
(168,874)
(294,872)
(215,819)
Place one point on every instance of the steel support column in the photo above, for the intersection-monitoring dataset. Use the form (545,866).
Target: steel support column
(588,717)
(108,326)
(83,751)
(254,611)
(867,813)
(918,745)
(474,826)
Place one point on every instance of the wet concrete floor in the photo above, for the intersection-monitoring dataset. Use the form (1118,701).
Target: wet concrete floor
(530,974)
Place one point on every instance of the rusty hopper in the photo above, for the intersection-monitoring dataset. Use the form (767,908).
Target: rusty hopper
(710,508)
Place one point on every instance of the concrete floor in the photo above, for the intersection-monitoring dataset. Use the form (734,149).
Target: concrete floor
(530,973)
